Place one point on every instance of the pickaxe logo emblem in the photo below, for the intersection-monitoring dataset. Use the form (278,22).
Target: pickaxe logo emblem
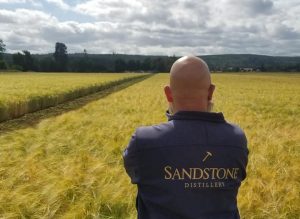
(208,154)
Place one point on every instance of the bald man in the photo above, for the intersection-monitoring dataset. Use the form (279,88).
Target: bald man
(192,166)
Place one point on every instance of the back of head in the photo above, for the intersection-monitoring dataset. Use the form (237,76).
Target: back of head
(190,84)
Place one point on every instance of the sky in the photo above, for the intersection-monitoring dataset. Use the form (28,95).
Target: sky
(153,27)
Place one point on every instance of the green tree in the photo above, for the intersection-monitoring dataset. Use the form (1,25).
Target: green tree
(120,65)
(28,63)
(2,65)
(159,65)
(133,65)
(61,57)
(2,48)
(24,62)
(18,61)
(146,64)
(46,64)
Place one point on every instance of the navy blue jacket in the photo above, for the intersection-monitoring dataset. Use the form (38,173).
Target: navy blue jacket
(190,167)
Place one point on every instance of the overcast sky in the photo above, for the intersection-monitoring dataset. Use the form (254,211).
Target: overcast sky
(157,27)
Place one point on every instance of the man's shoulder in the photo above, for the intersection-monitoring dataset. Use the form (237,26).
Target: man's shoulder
(153,131)
(235,128)
(153,134)
(237,132)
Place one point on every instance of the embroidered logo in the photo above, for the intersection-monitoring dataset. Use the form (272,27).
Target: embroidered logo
(208,154)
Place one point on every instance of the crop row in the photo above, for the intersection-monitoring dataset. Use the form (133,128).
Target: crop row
(25,93)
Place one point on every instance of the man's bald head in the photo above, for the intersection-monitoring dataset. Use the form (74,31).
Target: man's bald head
(190,84)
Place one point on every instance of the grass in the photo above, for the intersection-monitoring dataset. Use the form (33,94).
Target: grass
(70,166)
(268,108)
(21,93)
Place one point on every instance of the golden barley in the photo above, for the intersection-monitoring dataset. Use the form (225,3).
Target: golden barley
(70,166)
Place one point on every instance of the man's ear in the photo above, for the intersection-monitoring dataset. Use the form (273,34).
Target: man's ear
(168,93)
(211,90)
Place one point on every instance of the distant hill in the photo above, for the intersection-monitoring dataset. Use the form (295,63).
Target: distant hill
(270,63)
(122,62)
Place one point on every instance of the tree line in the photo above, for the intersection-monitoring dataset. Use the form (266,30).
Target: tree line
(61,61)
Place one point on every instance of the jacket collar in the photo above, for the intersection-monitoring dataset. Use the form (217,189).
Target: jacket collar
(196,115)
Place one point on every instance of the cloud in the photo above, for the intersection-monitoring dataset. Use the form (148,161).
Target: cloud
(283,32)
(12,1)
(157,27)
(33,3)
(147,12)
(60,3)
(253,7)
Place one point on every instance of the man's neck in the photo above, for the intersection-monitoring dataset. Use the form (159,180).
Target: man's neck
(190,109)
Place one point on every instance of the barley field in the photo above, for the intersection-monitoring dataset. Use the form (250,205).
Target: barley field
(21,93)
(70,165)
